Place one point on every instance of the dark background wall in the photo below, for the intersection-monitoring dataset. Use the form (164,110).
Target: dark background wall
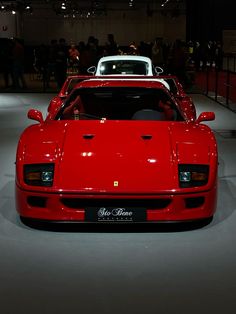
(206,19)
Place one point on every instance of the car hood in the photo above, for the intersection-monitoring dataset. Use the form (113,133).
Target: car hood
(119,156)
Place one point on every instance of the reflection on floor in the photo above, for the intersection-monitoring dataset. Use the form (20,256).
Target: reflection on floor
(116,272)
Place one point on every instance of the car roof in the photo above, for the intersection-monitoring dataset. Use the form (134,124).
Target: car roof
(124,57)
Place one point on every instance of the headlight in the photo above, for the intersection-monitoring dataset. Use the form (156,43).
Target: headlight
(39,174)
(193,175)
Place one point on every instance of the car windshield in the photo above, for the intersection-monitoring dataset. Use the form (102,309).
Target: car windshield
(119,103)
(117,67)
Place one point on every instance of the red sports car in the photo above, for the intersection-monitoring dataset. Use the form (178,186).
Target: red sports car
(117,150)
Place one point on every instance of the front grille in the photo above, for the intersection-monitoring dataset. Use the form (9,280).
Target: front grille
(76,203)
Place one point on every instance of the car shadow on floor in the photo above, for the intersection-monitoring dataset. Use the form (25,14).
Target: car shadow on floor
(115,227)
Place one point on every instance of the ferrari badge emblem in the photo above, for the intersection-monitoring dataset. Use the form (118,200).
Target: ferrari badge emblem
(116,183)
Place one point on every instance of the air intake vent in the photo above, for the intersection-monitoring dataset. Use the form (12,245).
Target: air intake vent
(147,203)
(37,201)
(193,202)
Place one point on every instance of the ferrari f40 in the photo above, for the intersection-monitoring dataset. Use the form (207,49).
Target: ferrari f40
(117,151)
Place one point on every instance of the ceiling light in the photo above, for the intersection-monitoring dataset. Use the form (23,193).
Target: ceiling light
(164,3)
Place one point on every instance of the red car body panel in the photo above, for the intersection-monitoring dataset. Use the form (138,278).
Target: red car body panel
(100,162)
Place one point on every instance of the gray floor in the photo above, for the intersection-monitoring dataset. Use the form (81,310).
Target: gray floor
(45,272)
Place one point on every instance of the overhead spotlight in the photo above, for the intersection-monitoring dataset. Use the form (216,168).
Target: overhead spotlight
(13,12)
(29,9)
(164,3)
(131,3)
(63,6)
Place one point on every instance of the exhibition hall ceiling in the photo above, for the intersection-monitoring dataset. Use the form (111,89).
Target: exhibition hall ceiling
(84,9)
(65,6)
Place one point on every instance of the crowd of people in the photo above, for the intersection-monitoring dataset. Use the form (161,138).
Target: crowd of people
(60,58)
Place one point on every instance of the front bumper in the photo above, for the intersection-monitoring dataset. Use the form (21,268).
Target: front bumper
(159,208)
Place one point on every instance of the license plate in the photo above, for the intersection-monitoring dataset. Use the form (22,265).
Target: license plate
(115,214)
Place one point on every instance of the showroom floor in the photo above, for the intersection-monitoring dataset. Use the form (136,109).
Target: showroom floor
(99,271)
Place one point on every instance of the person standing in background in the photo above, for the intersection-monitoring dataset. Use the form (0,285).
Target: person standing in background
(157,53)
(73,58)
(61,62)
(111,46)
(18,64)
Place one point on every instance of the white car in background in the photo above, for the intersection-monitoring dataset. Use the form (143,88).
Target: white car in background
(125,65)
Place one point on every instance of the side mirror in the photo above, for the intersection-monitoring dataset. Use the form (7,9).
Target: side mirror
(206,116)
(92,70)
(36,115)
(158,70)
